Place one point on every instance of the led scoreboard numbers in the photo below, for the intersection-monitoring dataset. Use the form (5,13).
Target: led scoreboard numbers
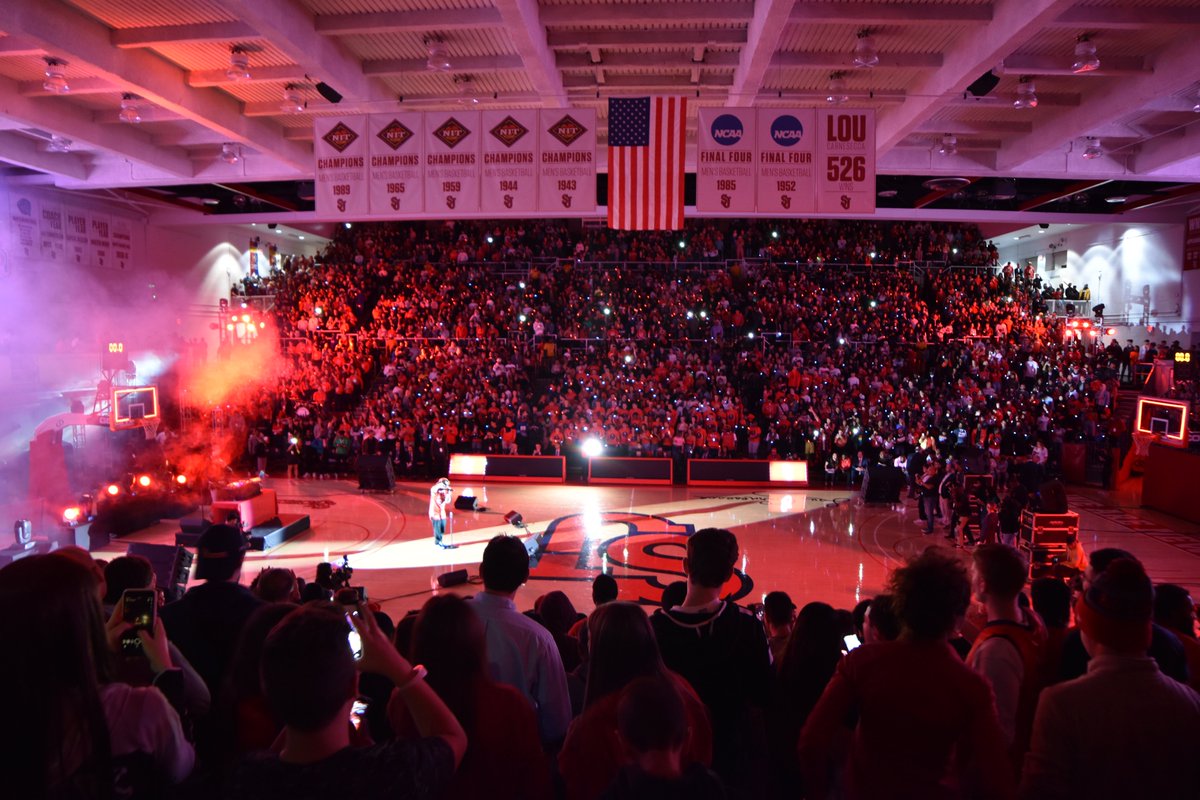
(113,357)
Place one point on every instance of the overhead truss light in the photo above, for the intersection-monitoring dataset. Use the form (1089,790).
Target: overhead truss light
(292,104)
(439,58)
(1093,149)
(130,114)
(56,80)
(239,64)
(949,145)
(58,144)
(466,88)
(231,153)
(837,89)
(865,54)
(1086,59)
(1026,93)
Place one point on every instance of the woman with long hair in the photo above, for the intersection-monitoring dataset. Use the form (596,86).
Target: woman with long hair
(504,757)
(70,730)
(621,649)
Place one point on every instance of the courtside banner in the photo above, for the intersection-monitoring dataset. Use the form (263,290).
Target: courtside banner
(453,140)
(100,240)
(340,145)
(567,161)
(846,161)
(786,151)
(725,171)
(396,166)
(510,168)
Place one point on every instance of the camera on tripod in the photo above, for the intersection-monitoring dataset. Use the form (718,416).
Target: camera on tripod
(332,578)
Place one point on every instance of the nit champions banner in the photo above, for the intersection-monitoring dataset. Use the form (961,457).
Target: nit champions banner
(397,150)
(567,175)
(510,167)
(340,145)
(453,140)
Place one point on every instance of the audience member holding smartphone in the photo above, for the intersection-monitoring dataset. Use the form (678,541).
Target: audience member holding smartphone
(70,729)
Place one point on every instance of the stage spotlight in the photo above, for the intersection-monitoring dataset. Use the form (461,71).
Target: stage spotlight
(181,479)
(112,490)
(1111,332)
(72,516)
(592,448)
(144,481)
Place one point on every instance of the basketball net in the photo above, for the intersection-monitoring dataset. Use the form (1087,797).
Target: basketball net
(1141,443)
(150,428)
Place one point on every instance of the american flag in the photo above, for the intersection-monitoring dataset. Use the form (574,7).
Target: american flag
(646,138)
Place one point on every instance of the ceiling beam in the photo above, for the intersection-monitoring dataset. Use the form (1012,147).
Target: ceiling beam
(845,60)
(522,19)
(975,127)
(859,13)
(415,21)
(1112,18)
(1163,152)
(577,83)
(1175,69)
(18,46)
(82,39)
(79,86)
(665,61)
(689,11)
(1070,190)
(75,123)
(753,60)
(1110,66)
(403,66)
(22,151)
(856,97)
(1013,23)
(207,78)
(291,27)
(160,35)
(1045,100)
(658,37)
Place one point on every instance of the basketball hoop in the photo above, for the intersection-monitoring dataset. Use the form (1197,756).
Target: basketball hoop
(1142,442)
(150,428)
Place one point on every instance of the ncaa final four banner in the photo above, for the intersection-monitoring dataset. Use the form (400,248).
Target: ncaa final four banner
(452,148)
(786,143)
(725,171)
(397,173)
(510,169)
(567,164)
(340,145)
(846,161)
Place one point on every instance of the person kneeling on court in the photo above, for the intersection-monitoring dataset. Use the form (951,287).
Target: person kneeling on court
(310,678)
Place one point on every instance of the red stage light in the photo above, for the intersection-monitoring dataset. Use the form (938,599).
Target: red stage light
(112,490)
(181,480)
(144,481)
(72,514)
(1111,332)
(1087,324)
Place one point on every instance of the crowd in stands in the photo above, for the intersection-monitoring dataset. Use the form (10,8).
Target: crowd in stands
(963,680)
(814,340)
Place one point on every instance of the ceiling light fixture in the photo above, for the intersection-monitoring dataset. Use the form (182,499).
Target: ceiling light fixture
(1196,108)
(130,114)
(466,89)
(239,64)
(231,153)
(292,104)
(1086,59)
(438,59)
(1026,93)
(1093,149)
(837,89)
(58,144)
(56,81)
(949,146)
(865,54)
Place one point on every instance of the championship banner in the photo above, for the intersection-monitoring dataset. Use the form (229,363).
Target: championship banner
(122,243)
(340,146)
(100,240)
(24,226)
(1191,243)
(846,161)
(453,140)
(786,143)
(52,241)
(77,238)
(397,184)
(510,175)
(567,167)
(725,160)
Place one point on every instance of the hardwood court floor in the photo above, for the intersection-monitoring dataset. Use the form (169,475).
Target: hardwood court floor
(816,544)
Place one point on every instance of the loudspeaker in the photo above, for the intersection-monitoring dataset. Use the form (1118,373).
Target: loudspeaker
(465,503)
(194,524)
(984,84)
(453,578)
(171,563)
(884,484)
(515,519)
(375,473)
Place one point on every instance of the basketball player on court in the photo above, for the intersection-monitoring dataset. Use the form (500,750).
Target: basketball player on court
(439,499)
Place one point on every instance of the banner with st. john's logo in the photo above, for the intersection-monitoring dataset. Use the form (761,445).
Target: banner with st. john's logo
(452,154)
(396,169)
(510,170)
(567,161)
(340,145)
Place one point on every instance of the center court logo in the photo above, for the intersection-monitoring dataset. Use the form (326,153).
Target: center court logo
(786,130)
(727,130)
